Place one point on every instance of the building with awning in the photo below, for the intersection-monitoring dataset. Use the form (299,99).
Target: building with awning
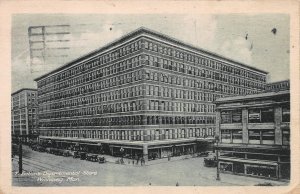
(254,133)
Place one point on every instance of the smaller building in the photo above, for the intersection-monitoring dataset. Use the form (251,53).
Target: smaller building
(24,111)
(277,86)
(254,134)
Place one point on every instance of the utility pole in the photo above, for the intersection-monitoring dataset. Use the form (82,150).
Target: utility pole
(20,155)
(217,157)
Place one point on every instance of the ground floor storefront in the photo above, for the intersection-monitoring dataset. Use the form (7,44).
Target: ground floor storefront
(271,163)
(149,150)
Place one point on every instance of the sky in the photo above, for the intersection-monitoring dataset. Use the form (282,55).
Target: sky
(250,39)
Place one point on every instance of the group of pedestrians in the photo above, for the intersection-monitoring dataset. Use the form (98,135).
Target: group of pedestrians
(138,159)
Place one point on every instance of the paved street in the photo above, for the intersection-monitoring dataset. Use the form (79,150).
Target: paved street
(66,171)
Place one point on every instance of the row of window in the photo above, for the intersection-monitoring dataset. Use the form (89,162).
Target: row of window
(196,59)
(181,106)
(198,84)
(255,115)
(132,134)
(129,120)
(254,136)
(91,64)
(202,73)
(283,85)
(130,106)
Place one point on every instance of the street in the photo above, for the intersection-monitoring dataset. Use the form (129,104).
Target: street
(42,169)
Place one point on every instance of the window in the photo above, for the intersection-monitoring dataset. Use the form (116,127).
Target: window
(268,137)
(225,117)
(285,136)
(231,136)
(225,136)
(231,116)
(261,137)
(261,115)
(237,136)
(254,137)
(286,114)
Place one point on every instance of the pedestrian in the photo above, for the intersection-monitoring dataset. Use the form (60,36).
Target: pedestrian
(177,184)
(142,161)
(137,159)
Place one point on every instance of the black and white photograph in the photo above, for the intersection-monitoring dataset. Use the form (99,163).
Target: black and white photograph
(151,99)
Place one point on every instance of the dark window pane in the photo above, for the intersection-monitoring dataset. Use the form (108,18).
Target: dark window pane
(286,114)
(237,116)
(267,115)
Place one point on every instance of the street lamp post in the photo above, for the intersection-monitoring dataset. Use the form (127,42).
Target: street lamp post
(122,152)
(217,158)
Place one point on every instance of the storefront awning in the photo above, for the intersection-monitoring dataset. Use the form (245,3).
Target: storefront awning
(186,144)
(158,147)
(249,161)
(127,147)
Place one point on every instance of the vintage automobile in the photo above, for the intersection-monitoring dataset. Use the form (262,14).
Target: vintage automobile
(101,159)
(92,157)
(76,154)
(59,152)
(41,148)
(82,155)
(66,153)
(52,150)
(203,154)
(210,162)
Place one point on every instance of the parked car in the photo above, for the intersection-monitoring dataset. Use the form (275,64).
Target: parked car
(76,154)
(66,153)
(210,162)
(92,157)
(203,154)
(101,159)
(41,148)
(82,155)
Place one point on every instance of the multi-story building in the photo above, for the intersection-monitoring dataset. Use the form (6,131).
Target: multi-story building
(254,133)
(146,92)
(24,111)
(277,86)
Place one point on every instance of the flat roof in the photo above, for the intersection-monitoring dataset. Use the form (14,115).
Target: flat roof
(251,96)
(20,90)
(143,30)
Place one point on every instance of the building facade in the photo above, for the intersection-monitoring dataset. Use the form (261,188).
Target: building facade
(145,91)
(254,133)
(277,86)
(24,111)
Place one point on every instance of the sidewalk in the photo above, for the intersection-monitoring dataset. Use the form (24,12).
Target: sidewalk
(112,159)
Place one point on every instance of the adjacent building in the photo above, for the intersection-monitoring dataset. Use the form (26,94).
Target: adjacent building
(254,133)
(146,92)
(24,111)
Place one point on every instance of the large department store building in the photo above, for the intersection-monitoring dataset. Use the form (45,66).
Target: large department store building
(254,133)
(146,92)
